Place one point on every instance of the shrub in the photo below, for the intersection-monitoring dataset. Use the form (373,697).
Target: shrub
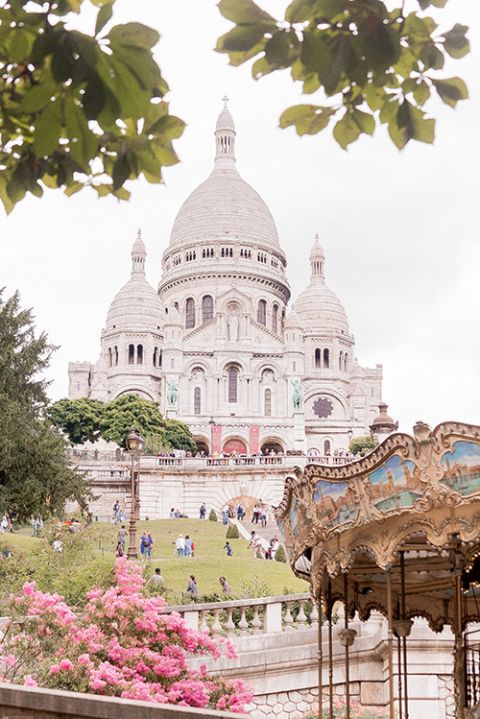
(213,516)
(280,555)
(232,532)
(120,644)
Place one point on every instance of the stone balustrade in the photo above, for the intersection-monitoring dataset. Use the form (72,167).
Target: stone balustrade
(241,617)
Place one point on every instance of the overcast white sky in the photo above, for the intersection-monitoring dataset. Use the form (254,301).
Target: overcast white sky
(400,230)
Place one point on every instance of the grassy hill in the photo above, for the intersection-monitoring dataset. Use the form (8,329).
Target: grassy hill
(247,576)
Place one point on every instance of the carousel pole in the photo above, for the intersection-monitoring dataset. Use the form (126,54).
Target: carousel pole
(347,647)
(458,654)
(330,651)
(320,653)
(391,698)
(404,636)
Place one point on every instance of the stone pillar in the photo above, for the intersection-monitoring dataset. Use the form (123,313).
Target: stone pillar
(299,440)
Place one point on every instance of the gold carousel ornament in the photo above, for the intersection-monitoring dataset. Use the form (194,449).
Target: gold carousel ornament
(397,532)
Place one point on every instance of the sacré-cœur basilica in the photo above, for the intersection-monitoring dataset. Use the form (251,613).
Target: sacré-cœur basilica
(218,347)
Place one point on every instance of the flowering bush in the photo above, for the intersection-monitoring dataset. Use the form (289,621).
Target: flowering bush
(120,644)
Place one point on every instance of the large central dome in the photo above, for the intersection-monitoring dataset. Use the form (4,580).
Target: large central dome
(224,206)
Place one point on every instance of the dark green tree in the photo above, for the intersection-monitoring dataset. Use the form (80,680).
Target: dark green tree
(366,61)
(35,476)
(80,419)
(78,110)
(362,445)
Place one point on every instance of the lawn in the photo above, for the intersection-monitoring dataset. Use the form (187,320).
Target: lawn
(247,576)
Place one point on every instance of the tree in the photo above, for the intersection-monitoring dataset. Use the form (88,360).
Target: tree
(280,555)
(87,419)
(362,445)
(80,419)
(367,61)
(75,110)
(35,477)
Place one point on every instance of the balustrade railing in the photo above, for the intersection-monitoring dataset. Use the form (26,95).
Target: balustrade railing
(238,617)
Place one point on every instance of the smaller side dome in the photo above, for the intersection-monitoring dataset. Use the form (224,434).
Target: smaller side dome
(383,423)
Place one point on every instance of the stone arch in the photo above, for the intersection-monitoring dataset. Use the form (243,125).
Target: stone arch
(235,445)
(138,392)
(272,443)
(203,444)
(318,390)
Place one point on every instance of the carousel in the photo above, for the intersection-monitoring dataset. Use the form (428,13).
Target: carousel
(397,532)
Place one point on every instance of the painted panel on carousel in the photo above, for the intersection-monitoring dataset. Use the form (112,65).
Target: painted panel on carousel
(461,466)
(395,485)
(293,517)
(336,502)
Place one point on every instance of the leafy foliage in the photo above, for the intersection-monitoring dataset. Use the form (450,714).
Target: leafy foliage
(87,419)
(362,445)
(35,477)
(213,516)
(371,62)
(280,555)
(77,110)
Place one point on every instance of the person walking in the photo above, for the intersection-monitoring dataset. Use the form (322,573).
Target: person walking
(149,545)
(203,510)
(188,546)
(122,536)
(143,545)
(226,588)
(180,546)
(192,588)
(228,548)
(119,551)
(193,549)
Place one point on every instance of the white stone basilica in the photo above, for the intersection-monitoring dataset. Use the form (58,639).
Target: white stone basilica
(216,348)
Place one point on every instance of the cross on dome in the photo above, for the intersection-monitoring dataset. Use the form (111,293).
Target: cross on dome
(225,99)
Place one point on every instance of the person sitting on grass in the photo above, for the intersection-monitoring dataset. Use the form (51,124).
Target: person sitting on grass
(228,548)
(226,588)
(155,583)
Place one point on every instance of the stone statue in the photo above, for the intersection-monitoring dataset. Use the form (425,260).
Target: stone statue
(232,324)
(297,395)
(172,393)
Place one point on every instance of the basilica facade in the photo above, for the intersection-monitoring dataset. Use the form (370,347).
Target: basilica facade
(217,345)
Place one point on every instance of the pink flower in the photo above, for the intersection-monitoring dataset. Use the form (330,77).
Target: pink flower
(66,665)
(29,681)
(10,660)
(54,669)
(83,659)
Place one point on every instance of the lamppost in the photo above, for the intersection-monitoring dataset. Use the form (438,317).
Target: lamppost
(134,442)
(211,422)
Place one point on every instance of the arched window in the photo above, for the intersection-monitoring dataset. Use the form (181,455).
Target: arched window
(318,358)
(197,401)
(131,354)
(268,403)
(159,358)
(326,358)
(139,354)
(115,355)
(207,308)
(262,312)
(109,356)
(190,313)
(345,362)
(155,356)
(275,319)
(340,361)
(232,376)
(327,448)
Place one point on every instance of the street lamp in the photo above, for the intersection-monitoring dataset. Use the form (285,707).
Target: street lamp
(134,442)
(211,422)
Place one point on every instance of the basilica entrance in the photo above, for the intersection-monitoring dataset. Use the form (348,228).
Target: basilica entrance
(234,446)
(202,446)
(271,446)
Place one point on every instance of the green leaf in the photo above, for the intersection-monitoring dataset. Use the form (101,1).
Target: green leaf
(375,96)
(346,130)
(421,92)
(238,58)
(19,44)
(455,42)
(364,120)
(451,90)
(73,188)
(261,67)
(302,10)
(37,97)
(282,49)
(241,39)
(168,126)
(48,130)
(436,3)
(410,124)
(245,12)
(307,119)
(134,34)
(432,57)
(83,142)
(343,62)
(104,15)
(121,171)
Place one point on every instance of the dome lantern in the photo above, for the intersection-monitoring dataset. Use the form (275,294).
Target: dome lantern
(225,138)
(317,259)
(138,254)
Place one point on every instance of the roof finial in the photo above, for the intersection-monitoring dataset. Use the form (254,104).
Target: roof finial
(225,99)
(317,236)
(139,233)
(225,139)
